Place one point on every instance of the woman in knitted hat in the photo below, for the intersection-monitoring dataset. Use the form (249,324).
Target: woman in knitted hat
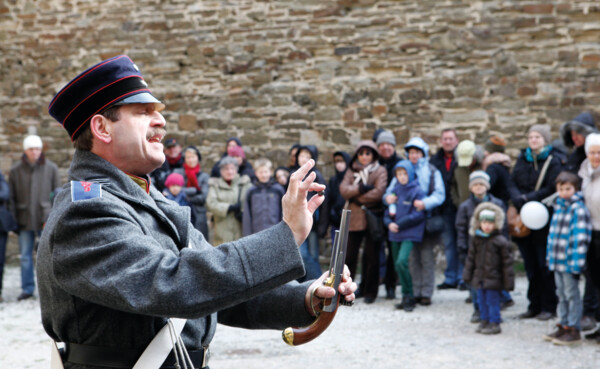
(226,195)
(534,174)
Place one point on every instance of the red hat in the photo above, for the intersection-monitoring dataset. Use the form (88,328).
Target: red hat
(174,179)
(236,151)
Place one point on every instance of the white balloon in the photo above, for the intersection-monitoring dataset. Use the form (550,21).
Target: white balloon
(534,215)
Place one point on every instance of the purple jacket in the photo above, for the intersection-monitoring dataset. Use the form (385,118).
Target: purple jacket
(410,221)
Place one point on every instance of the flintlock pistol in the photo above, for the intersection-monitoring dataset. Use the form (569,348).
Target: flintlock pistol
(295,336)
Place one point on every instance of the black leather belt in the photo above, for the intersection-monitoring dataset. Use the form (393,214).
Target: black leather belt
(110,357)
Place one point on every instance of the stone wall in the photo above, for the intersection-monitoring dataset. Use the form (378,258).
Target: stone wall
(323,72)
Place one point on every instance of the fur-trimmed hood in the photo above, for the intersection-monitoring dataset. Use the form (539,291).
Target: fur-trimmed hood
(584,124)
(474,224)
(496,157)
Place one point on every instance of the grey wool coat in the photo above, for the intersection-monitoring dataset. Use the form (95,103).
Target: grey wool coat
(112,269)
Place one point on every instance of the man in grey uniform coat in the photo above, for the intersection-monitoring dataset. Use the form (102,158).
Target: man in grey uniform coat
(116,259)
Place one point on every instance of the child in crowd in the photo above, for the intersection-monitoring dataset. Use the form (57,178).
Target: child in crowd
(282,176)
(263,200)
(568,240)
(173,191)
(406,225)
(489,264)
(479,184)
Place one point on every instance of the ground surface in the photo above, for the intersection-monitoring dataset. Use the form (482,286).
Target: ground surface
(364,336)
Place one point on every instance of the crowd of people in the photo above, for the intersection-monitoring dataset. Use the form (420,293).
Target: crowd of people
(403,205)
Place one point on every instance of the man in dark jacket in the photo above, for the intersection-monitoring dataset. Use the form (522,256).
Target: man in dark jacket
(174,160)
(573,134)
(34,181)
(444,160)
(116,259)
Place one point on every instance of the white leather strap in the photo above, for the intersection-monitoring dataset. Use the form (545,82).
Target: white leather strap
(55,359)
(160,346)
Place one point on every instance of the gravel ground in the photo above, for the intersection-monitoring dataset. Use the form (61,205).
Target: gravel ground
(364,336)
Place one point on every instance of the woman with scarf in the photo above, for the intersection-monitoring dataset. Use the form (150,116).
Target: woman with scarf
(526,173)
(195,186)
(363,185)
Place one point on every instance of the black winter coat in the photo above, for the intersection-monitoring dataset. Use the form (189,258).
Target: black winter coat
(489,264)
(439,161)
(525,175)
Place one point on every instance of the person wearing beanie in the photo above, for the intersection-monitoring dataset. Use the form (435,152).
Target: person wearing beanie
(173,191)
(479,184)
(422,258)
(530,164)
(494,144)
(33,182)
(226,196)
(244,167)
(117,260)
(489,264)
(386,148)
(498,165)
(573,134)
(445,161)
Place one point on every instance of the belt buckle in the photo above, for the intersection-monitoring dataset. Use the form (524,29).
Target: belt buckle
(205,356)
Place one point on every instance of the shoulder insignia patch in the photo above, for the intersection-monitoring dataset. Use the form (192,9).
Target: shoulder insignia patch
(82,190)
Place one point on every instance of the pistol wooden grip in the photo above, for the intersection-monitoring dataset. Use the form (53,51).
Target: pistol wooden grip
(295,336)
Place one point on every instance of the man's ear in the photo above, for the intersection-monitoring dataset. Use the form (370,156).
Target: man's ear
(101,128)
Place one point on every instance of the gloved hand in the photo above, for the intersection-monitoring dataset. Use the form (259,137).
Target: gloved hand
(233,208)
(518,202)
(362,188)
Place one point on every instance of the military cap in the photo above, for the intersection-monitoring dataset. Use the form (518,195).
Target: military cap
(114,81)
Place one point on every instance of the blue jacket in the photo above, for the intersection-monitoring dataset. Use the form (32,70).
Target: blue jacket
(411,222)
(423,172)
(569,236)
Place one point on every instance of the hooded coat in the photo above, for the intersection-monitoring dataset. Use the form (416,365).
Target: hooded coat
(373,175)
(489,263)
(584,124)
(497,165)
(334,201)
(410,221)
(318,220)
(425,173)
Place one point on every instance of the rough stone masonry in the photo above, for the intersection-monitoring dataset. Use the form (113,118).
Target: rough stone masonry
(314,71)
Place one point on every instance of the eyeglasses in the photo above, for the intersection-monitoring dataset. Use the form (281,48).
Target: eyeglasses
(365,153)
